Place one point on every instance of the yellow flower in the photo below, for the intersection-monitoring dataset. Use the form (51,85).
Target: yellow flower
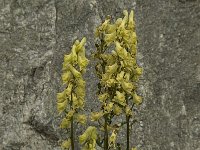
(96,116)
(68,58)
(65,123)
(104,25)
(61,106)
(103,97)
(136,99)
(75,73)
(120,76)
(61,97)
(120,51)
(68,90)
(70,114)
(112,139)
(81,119)
(111,28)
(66,77)
(127,76)
(66,144)
(117,110)
(128,111)
(110,82)
(138,71)
(81,82)
(108,107)
(111,69)
(88,138)
(134,148)
(128,87)
(109,38)
(80,92)
(120,98)
(82,61)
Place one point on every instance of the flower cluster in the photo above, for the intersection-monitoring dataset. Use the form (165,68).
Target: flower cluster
(71,100)
(117,69)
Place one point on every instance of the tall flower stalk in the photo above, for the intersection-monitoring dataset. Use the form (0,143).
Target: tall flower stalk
(118,74)
(71,100)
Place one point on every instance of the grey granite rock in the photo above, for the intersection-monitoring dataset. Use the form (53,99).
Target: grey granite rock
(34,36)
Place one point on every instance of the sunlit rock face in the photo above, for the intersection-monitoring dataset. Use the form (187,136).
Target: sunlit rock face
(35,35)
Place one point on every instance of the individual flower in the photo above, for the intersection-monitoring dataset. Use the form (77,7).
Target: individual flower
(66,77)
(120,98)
(136,99)
(112,139)
(81,118)
(103,97)
(65,123)
(88,138)
(117,110)
(66,144)
(96,116)
(61,106)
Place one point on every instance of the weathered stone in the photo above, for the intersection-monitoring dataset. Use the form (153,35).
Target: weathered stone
(34,36)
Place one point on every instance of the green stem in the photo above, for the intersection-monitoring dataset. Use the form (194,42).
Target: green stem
(106,133)
(127,132)
(72,126)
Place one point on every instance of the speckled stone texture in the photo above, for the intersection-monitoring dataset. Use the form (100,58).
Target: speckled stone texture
(34,36)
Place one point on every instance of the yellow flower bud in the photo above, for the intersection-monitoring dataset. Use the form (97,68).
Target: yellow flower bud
(80,92)
(118,22)
(67,59)
(131,23)
(74,55)
(96,116)
(65,123)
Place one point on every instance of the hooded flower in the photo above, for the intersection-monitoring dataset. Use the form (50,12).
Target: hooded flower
(96,116)
(66,144)
(136,99)
(65,123)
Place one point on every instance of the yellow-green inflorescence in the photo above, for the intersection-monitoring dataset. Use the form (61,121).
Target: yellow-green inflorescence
(118,72)
(71,100)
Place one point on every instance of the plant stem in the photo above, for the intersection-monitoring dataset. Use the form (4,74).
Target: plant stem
(72,126)
(106,133)
(127,132)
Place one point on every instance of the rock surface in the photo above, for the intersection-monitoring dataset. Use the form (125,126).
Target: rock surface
(34,36)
